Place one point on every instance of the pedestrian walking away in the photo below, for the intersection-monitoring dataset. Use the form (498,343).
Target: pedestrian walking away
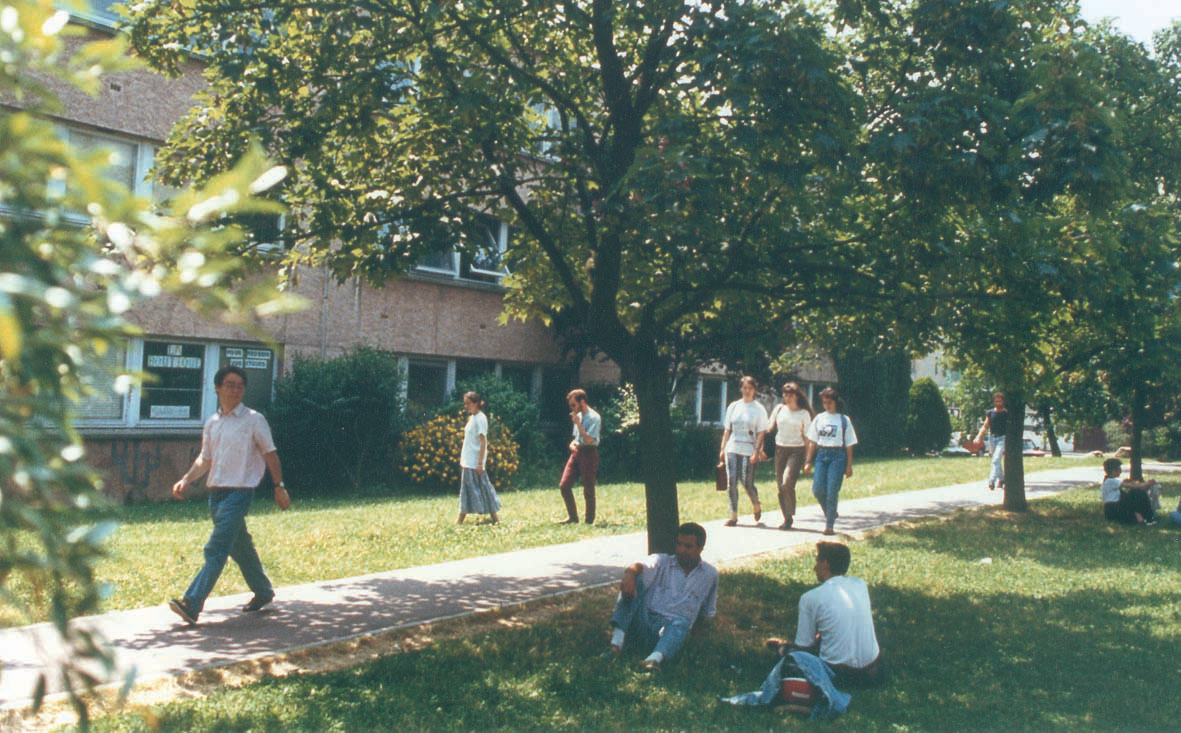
(236,449)
(583,461)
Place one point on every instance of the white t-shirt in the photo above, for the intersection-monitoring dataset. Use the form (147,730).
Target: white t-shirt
(745,420)
(1109,489)
(477,425)
(234,443)
(839,611)
(826,428)
(791,426)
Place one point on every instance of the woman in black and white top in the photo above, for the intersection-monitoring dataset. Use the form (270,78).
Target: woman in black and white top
(791,419)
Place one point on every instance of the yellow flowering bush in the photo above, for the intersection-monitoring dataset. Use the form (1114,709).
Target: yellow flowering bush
(430,453)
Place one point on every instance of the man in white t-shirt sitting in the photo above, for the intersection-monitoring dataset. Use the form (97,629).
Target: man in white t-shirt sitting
(836,621)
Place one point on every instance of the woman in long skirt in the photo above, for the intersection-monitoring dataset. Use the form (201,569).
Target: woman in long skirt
(476,494)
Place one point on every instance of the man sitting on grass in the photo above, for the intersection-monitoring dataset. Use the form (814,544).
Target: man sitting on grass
(835,645)
(1130,502)
(662,597)
(836,622)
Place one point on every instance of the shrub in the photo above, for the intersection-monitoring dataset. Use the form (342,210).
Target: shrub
(928,424)
(696,445)
(511,407)
(430,453)
(337,421)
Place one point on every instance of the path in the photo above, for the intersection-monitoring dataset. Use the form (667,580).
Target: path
(153,641)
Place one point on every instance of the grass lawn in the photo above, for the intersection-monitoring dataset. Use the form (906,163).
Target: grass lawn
(1049,620)
(158,548)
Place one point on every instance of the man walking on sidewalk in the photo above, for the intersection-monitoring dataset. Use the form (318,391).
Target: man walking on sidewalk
(236,448)
(584,457)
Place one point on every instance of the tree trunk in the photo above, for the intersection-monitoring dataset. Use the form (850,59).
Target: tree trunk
(657,452)
(1139,415)
(1051,436)
(1014,465)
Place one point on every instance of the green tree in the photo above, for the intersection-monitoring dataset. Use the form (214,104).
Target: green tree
(685,180)
(928,424)
(63,288)
(655,187)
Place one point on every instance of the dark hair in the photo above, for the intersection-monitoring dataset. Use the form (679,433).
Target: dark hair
(748,378)
(835,396)
(801,398)
(578,395)
(1112,466)
(695,529)
(474,397)
(220,376)
(835,554)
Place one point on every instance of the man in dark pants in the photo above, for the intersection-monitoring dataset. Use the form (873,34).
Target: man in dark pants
(236,447)
(584,457)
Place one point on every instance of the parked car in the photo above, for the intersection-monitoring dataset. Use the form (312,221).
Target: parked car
(955,449)
(1029,449)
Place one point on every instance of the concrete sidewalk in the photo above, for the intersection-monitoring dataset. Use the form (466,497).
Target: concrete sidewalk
(155,643)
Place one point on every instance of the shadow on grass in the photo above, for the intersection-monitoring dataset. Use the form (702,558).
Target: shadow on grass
(1073,626)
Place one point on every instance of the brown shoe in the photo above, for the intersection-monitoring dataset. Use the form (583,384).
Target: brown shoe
(730,523)
(257,603)
(758,512)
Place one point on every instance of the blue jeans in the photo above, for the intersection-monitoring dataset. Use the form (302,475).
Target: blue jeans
(229,539)
(996,451)
(632,615)
(828,473)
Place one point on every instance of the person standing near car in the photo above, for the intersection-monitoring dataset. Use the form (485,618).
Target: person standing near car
(236,449)
(995,423)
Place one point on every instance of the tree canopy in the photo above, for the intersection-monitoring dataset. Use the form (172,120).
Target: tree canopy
(685,181)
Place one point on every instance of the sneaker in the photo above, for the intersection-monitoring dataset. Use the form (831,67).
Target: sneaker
(180,608)
(257,603)
(650,665)
(1149,522)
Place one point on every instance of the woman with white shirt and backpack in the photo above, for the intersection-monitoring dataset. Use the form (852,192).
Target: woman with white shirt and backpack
(831,451)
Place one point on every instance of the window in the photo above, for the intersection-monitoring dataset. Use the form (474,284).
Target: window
(259,365)
(469,368)
(520,376)
(426,385)
(173,381)
(555,385)
(103,402)
(177,389)
(713,399)
(482,259)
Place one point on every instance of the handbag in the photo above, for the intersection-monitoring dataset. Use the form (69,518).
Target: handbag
(721,483)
